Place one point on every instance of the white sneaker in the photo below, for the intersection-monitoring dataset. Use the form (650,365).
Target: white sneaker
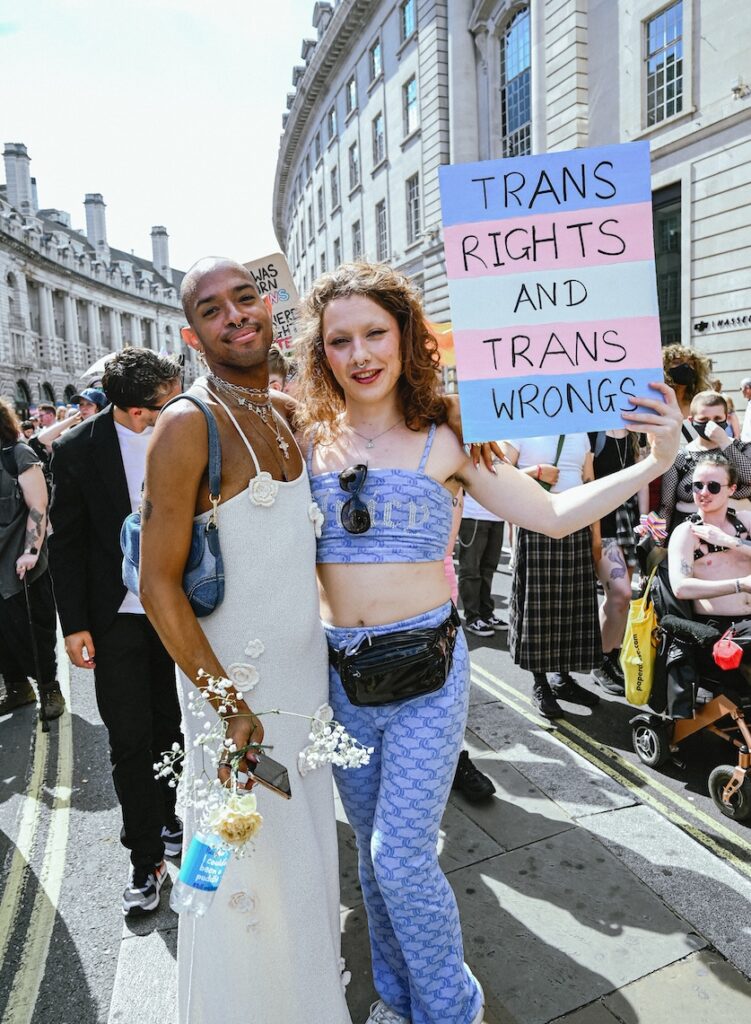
(381,1014)
(480,1015)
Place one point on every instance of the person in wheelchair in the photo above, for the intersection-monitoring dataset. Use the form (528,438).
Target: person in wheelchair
(709,555)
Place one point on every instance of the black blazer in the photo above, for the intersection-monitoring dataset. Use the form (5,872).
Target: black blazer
(90,500)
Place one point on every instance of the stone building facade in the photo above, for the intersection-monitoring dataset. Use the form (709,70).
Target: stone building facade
(67,298)
(496,78)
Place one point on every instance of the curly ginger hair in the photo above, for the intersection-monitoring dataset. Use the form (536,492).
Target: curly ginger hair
(419,389)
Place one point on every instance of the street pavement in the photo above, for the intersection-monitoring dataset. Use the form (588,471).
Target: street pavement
(589,893)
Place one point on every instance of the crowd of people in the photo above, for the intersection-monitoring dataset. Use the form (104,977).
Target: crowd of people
(340,510)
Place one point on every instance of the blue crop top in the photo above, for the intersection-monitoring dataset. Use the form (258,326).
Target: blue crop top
(410,515)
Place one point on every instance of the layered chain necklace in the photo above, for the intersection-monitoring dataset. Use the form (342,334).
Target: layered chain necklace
(258,401)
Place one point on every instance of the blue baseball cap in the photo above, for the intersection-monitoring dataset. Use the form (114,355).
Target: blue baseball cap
(94,395)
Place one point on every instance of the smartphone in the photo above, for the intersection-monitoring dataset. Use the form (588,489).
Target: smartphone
(271,774)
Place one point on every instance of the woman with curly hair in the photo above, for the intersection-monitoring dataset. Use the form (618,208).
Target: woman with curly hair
(687,372)
(385,469)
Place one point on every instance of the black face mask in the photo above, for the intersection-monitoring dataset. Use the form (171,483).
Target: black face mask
(701,428)
(682,374)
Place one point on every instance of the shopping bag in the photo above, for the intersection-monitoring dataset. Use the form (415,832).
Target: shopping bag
(639,648)
(726,652)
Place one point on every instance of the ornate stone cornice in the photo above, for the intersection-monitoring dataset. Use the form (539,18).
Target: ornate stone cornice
(345,26)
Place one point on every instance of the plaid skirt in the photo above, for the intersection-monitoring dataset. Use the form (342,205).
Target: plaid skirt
(553,621)
(626,521)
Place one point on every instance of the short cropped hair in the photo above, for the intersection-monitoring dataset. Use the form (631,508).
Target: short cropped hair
(708,398)
(136,377)
(718,459)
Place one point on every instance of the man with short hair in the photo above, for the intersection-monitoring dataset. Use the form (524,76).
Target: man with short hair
(98,470)
(746,392)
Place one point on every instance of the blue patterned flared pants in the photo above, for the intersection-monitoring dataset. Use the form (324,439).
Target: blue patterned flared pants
(395,805)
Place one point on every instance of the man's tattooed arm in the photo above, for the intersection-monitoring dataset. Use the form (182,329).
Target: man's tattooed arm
(686,569)
(35,526)
(146,509)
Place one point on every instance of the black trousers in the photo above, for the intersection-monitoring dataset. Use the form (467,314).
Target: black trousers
(136,692)
(16,652)
(480,544)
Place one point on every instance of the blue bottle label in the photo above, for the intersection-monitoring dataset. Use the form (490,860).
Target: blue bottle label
(204,865)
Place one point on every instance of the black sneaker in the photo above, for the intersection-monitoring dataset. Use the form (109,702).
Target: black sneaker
(566,688)
(545,702)
(471,782)
(608,679)
(495,623)
(172,837)
(479,628)
(53,700)
(16,696)
(141,895)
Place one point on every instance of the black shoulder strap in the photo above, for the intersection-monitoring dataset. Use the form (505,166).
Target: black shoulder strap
(8,457)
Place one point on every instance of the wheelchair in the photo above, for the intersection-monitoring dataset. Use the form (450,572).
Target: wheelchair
(692,694)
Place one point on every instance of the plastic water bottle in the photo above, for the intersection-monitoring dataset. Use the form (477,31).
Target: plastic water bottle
(200,874)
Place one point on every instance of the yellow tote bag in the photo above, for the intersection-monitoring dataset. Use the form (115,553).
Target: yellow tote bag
(640,647)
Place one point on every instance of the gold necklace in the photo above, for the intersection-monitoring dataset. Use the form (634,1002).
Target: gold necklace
(262,408)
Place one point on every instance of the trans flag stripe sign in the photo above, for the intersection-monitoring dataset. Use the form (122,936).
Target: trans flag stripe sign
(550,263)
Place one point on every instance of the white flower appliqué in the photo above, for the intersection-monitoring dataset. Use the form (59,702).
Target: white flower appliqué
(245,903)
(316,517)
(263,489)
(254,648)
(244,677)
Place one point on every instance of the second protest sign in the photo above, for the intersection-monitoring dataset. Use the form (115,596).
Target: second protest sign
(550,262)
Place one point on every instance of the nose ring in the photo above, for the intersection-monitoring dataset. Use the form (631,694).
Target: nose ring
(360,365)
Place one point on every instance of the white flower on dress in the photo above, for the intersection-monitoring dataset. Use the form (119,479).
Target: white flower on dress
(244,677)
(344,974)
(316,517)
(254,648)
(263,489)
(245,903)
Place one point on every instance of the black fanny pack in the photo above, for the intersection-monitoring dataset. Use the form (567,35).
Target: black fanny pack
(398,666)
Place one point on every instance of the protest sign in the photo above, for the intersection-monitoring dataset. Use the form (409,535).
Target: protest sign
(273,278)
(550,263)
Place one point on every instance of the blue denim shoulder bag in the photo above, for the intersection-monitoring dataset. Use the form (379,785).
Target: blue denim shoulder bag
(203,579)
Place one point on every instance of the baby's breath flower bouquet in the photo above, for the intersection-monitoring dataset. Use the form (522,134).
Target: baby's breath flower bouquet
(230,811)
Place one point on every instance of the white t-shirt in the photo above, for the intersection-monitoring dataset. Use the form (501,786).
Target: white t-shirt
(133,450)
(534,451)
(746,428)
(474,510)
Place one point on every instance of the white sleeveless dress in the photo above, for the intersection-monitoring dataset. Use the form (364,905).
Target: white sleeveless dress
(268,948)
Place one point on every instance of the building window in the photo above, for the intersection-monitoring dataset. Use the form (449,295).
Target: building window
(334,177)
(307,165)
(666,221)
(323,262)
(413,208)
(317,146)
(407,23)
(351,94)
(516,103)
(382,232)
(337,252)
(321,208)
(409,105)
(379,140)
(664,58)
(354,167)
(356,240)
(375,60)
(310,224)
(331,123)
(301,240)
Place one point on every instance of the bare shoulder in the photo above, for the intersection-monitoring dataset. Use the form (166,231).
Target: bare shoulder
(745,518)
(181,434)
(680,534)
(285,405)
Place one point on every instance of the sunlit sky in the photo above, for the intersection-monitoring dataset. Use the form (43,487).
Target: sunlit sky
(170,108)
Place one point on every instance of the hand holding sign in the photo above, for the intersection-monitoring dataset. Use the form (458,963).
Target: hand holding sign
(550,263)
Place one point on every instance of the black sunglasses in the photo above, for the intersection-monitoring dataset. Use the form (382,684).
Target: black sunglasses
(355,515)
(712,486)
